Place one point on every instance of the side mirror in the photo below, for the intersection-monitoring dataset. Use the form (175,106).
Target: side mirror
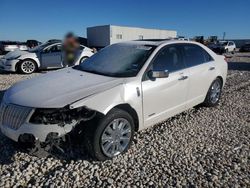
(158,74)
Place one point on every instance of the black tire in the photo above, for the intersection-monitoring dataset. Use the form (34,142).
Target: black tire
(21,68)
(95,131)
(83,59)
(208,100)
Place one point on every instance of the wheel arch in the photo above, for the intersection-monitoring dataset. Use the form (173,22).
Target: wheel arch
(19,62)
(126,107)
(85,56)
(221,79)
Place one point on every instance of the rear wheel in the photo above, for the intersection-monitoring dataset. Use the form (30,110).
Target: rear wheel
(111,136)
(27,66)
(214,93)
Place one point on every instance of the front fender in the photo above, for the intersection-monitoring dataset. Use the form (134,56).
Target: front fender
(122,94)
(33,57)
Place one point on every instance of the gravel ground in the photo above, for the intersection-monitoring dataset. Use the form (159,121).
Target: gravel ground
(202,147)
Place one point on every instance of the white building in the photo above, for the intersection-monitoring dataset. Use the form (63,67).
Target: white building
(100,36)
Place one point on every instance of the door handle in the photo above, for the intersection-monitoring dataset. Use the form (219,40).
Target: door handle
(183,78)
(211,68)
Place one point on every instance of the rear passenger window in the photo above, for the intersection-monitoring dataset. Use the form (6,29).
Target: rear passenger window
(170,58)
(195,55)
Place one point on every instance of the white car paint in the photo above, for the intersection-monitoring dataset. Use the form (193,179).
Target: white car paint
(8,46)
(229,46)
(43,60)
(152,100)
(23,47)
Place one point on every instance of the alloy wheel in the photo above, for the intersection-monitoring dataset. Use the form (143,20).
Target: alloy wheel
(28,66)
(215,91)
(116,137)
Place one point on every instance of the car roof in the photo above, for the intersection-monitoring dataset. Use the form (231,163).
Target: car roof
(157,42)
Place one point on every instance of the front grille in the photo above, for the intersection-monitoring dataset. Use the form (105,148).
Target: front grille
(13,116)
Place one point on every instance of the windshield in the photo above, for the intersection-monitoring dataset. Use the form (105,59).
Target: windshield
(118,60)
(40,47)
(223,43)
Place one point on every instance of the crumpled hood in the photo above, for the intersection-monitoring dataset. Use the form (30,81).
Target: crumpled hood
(15,54)
(58,89)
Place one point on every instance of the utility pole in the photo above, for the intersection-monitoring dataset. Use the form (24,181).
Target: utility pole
(224,35)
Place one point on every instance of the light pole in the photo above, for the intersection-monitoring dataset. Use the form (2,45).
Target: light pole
(224,35)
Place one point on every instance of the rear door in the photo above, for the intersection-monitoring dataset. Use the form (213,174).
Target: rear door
(51,57)
(165,97)
(202,71)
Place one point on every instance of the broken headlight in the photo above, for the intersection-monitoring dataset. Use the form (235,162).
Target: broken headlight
(61,116)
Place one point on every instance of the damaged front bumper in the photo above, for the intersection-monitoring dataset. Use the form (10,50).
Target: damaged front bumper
(38,131)
(19,122)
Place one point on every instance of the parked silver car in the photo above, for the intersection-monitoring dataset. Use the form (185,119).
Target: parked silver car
(45,56)
(123,88)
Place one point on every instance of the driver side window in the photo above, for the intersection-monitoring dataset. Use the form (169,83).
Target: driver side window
(54,48)
(169,58)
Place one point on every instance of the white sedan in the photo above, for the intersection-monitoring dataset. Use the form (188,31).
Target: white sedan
(45,56)
(124,88)
(227,46)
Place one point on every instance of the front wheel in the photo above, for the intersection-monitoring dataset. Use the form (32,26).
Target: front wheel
(112,136)
(234,50)
(214,93)
(83,59)
(27,66)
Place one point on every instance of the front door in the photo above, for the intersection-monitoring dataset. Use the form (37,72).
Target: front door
(51,57)
(165,97)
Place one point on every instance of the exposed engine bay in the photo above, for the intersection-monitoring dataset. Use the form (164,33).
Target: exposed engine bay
(62,117)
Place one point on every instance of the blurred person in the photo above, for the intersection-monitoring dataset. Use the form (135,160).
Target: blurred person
(70,49)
